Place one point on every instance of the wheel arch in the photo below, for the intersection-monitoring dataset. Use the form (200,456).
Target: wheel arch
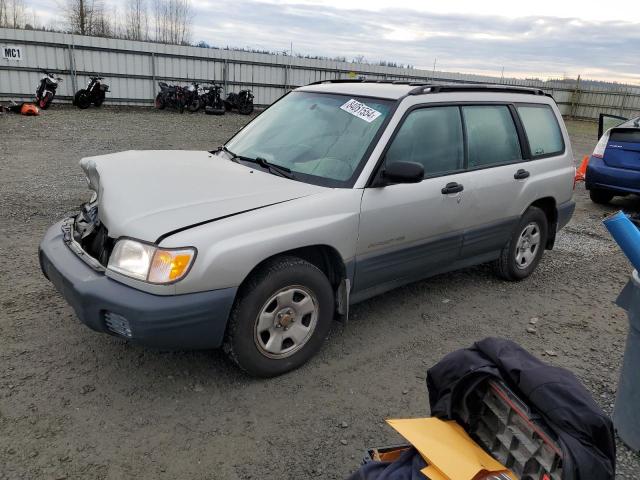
(325,257)
(328,260)
(549,206)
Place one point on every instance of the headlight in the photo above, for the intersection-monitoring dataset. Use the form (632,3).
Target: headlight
(149,263)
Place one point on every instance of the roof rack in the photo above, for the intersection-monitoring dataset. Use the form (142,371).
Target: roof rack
(423,87)
(364,80)
(468,87)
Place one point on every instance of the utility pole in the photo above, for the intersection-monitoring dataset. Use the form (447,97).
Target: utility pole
(575,98)
(433,74)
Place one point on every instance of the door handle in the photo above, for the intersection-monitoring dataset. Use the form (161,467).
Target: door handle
(521,174)
(452,187)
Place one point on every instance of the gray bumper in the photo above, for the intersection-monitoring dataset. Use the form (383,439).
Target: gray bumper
(565,212)
(196,320)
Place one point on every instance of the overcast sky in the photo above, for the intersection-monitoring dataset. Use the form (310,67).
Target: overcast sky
(544,38)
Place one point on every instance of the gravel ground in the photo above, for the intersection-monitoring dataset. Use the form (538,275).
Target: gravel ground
(77,404)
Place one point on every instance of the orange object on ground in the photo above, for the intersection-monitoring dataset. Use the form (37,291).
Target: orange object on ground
(448,450)
(582,169)
(29,109)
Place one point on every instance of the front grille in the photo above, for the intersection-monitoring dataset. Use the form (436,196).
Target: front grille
(117,324)
(92,235)
(98,244)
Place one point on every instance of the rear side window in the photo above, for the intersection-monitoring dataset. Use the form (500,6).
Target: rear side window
(542,129)
(431,137)
(492,138)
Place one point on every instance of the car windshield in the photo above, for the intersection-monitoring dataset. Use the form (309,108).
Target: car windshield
(321,138)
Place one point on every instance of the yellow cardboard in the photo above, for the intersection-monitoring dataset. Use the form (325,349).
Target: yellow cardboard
(432,473)
(447,448)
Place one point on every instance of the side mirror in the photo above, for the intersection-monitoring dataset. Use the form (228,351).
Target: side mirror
(403,172)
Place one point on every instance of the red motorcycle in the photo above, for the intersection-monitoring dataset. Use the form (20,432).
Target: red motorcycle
(46,91)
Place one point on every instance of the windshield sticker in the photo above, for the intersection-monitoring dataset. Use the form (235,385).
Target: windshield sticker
(360,110)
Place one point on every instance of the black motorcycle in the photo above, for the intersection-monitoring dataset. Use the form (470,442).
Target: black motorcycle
(212,98)
(47,89)
(170,96)
(94,93)
(193,97)
(242,100)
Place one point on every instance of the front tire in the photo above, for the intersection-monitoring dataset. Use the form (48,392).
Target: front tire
(82,100)
(160,104)
(45,101)
(245,108)
(521,255)
(195,105)
(601,197)
(280,318)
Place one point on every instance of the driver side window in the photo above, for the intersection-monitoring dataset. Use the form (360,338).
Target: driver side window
(431,137)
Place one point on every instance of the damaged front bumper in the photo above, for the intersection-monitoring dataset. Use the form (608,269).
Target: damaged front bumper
(193,321)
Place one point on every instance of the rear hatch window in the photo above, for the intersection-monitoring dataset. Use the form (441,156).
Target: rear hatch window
(623,149)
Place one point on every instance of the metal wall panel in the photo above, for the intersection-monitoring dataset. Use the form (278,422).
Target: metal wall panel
(132,70)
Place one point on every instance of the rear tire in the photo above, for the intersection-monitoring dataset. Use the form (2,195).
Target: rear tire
(521,255)
(258,312)
(98,102)
(601,197)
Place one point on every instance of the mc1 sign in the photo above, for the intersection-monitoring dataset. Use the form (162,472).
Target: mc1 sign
(11,53)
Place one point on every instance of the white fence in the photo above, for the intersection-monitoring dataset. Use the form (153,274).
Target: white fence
(133,69)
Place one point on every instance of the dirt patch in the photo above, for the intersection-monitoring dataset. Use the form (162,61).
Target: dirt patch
(77,404)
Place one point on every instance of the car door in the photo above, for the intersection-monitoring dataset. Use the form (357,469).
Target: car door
(606,122)
(512,168)
(494,157)
(408,231)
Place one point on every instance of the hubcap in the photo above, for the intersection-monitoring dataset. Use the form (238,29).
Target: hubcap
(286,322)
(528,245)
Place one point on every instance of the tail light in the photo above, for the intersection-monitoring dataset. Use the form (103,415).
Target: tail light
(601,146)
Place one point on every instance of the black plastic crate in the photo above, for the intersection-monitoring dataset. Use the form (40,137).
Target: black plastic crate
(513,434)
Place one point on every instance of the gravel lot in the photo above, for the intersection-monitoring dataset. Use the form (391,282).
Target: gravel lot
(77,404)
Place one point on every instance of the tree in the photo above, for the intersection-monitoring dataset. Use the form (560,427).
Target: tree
(12,13)
(173,20)
(87,17)
(137,21)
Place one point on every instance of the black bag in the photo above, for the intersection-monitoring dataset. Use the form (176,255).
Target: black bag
(584,431)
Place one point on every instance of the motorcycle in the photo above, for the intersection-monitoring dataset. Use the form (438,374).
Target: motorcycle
(170,96)
(212,98)
(94,93)
(193,97)
(46,91)
(242,100)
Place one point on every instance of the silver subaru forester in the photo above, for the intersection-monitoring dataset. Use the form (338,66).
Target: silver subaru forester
(337,192)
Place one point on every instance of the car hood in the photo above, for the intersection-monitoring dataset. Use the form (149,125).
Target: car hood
(147,194)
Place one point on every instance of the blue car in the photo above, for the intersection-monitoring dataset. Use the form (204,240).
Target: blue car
(614,166)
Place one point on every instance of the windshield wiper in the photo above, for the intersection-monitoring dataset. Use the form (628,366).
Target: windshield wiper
(273,168)
(270,167)
(223,148)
